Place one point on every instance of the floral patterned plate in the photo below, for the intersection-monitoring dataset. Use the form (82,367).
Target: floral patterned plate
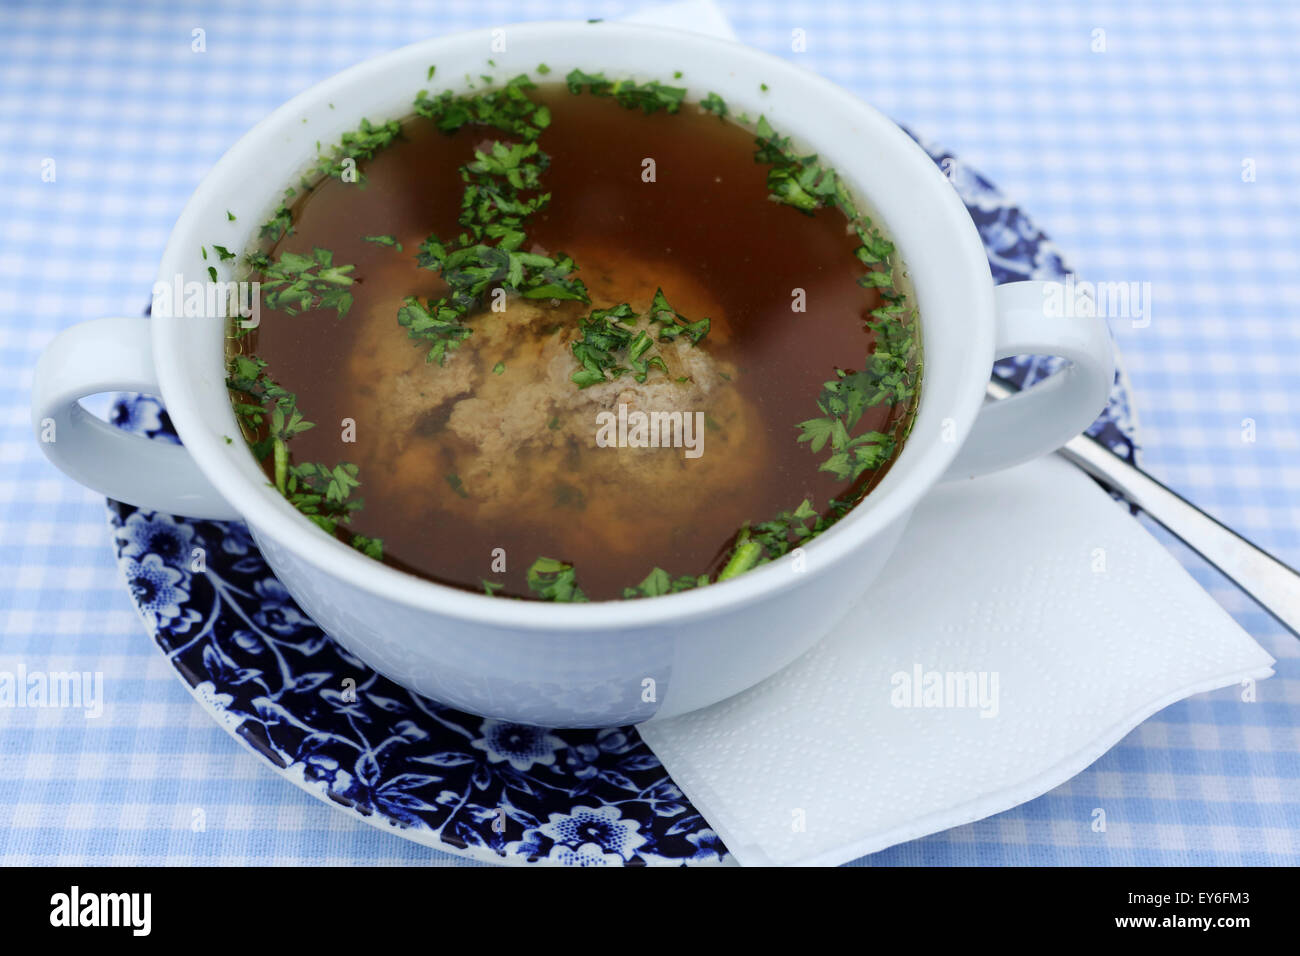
(483,788)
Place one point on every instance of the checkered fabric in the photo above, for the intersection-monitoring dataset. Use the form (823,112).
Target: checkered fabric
(1155,141)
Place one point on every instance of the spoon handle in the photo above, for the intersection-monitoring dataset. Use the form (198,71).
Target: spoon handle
(1272,584)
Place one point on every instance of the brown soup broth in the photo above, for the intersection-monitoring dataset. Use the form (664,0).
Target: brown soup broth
(704,230)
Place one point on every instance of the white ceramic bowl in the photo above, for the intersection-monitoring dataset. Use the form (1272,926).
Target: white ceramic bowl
(610,662)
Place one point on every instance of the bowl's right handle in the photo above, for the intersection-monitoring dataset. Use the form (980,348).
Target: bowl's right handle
(1040,419)
(113,355)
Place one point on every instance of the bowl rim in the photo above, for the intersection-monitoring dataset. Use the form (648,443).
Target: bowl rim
(922,462)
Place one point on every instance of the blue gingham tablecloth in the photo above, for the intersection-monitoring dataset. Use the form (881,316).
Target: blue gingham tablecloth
(1155,141)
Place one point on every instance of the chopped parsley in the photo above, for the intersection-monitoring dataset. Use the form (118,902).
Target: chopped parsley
(390,241)
(299,283)
(713,103)
(753,545)
(508,109)
(279,225)
(436,323)
(889,377)
(553,580)
(649,97)
(356,146)
(761,543)
(612,344)
(659,582)
(323,493)
(265,435)
(269,419)
(850,456)
(610,347)
(503,189)
(795,180)
(672,323)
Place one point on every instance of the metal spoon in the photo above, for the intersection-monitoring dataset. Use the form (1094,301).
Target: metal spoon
(1273,585)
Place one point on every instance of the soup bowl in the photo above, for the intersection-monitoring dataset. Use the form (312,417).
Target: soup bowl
(576,665)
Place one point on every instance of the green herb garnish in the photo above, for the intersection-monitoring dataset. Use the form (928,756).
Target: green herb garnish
(890,374)
(437,322)
(713,103)
(503,189)
(553,580)
(761,543)
(279,225)
(322,492)
(370,547)
(745,555)
(673,324)
(649,97)
(299,283)
(508,109)
(753,545)
(269,419)
(795,180)
(610,347)
(659,582)
(850,456)
(355,147)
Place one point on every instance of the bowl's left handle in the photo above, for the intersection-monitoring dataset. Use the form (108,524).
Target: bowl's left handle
(113,355)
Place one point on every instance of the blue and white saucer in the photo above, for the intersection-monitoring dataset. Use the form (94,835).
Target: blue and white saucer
(496,791)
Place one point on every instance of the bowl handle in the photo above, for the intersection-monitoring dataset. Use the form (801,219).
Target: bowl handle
(1033,319)
(113,355)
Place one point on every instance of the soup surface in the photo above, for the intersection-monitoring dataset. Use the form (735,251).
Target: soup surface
(490,460)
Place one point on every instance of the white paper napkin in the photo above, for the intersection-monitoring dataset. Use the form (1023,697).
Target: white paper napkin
(1031,586)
